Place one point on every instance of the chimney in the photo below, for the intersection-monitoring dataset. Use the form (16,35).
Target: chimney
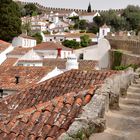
(1,93)
(59,52)
(17,79)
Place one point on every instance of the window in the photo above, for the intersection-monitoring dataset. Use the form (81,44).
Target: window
(24,42)
(103,32)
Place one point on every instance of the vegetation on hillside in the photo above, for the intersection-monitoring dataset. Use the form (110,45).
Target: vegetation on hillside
(85,41)
(29,10)
(10,22)
(124,20)
(127,19)
(38,37)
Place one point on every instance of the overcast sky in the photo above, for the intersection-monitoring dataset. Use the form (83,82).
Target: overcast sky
(83,4)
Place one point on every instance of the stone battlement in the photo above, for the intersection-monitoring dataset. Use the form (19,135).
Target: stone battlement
(64,9)
(127,43)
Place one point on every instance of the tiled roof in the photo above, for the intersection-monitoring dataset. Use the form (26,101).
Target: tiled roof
(27,76)
(71,81)
(19,51)
(46,121)
(46,110)
(88,14)
(73,35)
(4,45)
(50,46)
(61,63)
(9,62)
(27,37)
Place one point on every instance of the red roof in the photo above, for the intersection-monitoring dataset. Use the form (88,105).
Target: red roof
(61,63)
(4,45)
(46,110)
(19,51)
(50,46)
(9,62)
(28,76)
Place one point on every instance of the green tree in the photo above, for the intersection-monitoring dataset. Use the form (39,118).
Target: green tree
(26,28)
(85,40)
(93,29)
(132,16)
(89,8)
(98,20)
(10,22)
(38,37)
(81,24)
(31,9)
(71,44)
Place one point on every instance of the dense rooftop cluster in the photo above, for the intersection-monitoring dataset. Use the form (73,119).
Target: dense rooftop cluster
(47,109)
(27,76)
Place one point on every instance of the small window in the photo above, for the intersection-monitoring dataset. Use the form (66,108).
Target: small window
(103,32)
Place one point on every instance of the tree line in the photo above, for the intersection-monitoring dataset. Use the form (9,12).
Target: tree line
(124,20)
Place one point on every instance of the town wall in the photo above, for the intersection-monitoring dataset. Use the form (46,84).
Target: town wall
(65,9)
(107,96)
(126,43)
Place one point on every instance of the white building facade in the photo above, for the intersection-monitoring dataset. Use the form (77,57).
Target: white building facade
(24,41)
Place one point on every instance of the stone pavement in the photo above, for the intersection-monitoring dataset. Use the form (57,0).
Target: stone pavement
(123,124)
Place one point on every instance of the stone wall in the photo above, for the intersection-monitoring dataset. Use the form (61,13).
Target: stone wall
(127,58)
(131,44)
(92,118)
(63,9)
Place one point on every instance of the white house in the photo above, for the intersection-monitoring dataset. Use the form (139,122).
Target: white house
(24,41)
(52,50)
(5,48)
(31,58)
(39,25)
(103,31)
(88,16)
(98,52)
(58,27)
(73,14)
(76,36)
(70,36)
(55,37)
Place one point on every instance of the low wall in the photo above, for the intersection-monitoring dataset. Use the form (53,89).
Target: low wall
(127,58)
(131,44)
(92,118)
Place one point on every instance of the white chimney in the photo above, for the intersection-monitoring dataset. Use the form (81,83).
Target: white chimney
(72,62)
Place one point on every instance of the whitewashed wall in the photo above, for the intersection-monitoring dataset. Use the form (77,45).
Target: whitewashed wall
(24,42)
(3,56)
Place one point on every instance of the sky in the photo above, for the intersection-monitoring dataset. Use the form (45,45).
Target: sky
(83,4)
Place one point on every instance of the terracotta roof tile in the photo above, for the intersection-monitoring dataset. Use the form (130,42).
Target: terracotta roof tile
(61,63)
(9,62)
(63,99)
(27,37)
(73,35)
(4,45)
(27,75)
(50,46)
(19,51)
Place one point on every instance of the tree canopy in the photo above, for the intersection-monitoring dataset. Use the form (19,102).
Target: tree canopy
(127,19)
(10,22)
(85,40)
(71,44)
(29,10)
(38,37)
